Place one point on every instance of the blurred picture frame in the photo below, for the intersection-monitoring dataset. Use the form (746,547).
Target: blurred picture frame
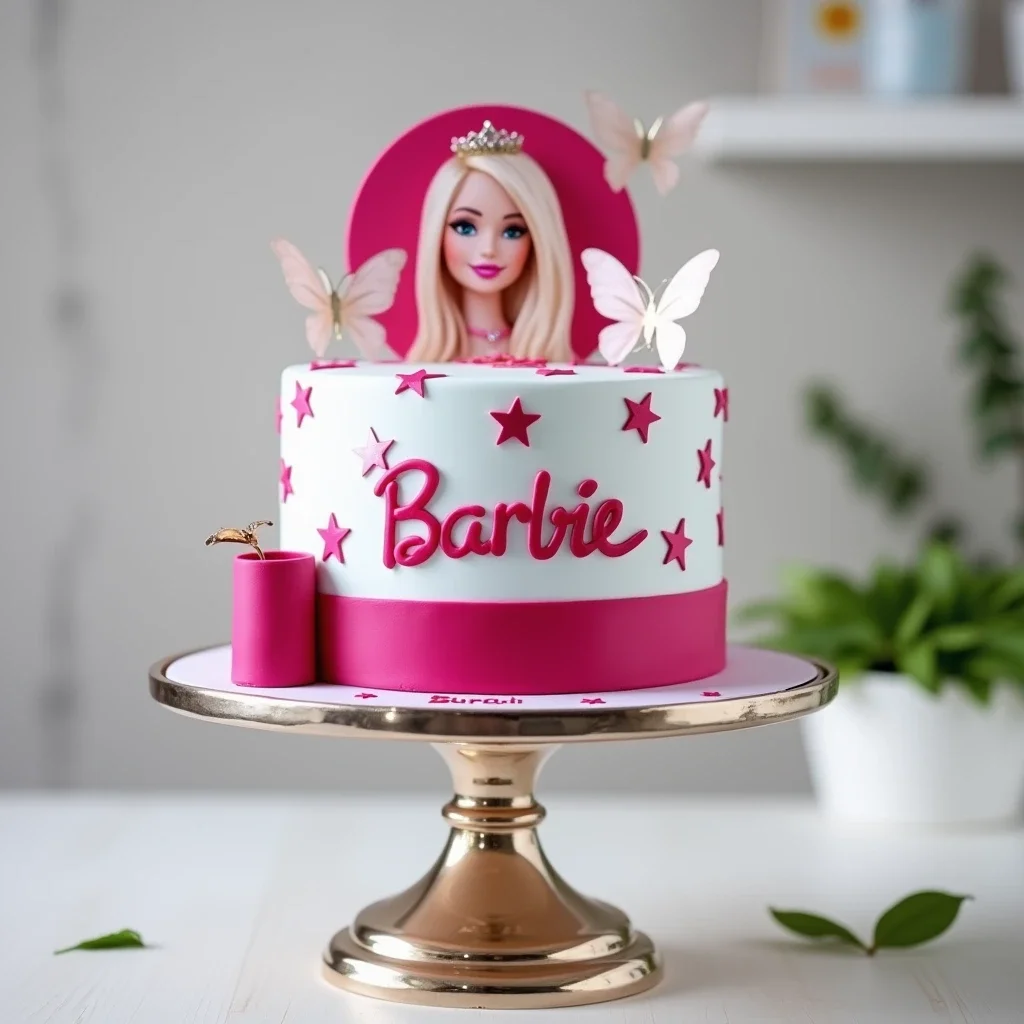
(814,46)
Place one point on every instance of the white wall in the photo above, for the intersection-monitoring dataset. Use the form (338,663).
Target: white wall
(194,132)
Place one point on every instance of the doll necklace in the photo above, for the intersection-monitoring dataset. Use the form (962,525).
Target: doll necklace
(492,336)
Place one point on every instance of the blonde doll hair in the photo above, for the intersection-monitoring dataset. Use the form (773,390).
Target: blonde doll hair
(539,305)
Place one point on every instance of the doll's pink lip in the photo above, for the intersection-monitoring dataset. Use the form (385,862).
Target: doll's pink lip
(487,269)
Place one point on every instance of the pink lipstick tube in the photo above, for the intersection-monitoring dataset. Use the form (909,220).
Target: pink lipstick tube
(273,619)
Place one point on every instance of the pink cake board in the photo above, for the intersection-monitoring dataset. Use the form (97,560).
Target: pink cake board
(749,672)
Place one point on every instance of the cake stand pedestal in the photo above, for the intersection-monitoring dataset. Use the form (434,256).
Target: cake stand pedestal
(492,924)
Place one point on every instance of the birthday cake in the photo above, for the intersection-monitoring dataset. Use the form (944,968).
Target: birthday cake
(495,499)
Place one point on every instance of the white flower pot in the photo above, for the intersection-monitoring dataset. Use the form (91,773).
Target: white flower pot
(886,750)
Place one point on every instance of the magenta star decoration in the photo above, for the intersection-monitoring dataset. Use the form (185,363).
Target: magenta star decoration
(286,481)
(278,415)
(722,403)
(332,535)
(416,381)
(643,369)
(720,519)
(706,465)
(554,371)
(593,700)
(366,696)
(640,416)
(677,542)
(374,452)
(515,423)
(300,403)
(710,693)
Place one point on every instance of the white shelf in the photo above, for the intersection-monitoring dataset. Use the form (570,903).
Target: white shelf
(765,128)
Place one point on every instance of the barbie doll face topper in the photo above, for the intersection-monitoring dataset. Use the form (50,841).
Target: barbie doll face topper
(497,203)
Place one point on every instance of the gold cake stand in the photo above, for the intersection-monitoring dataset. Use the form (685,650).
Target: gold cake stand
(492,924)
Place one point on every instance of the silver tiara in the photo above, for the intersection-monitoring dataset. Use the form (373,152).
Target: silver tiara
(488,140)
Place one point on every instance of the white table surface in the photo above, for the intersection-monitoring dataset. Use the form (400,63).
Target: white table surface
(240,894)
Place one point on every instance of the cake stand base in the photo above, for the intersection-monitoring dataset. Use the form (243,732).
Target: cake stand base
(492,924)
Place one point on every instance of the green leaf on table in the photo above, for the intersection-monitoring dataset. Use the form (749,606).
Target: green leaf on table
(124,939)
(811,926)
(918,918)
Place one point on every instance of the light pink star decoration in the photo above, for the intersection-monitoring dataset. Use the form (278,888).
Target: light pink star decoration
(333,535)
(300,403)
(554,371)
(374,452)
(706,464)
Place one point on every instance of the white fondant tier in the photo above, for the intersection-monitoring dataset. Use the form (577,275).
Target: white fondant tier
(581,435)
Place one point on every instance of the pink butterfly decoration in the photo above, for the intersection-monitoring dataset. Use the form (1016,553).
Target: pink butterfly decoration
(628,143)
(348,308)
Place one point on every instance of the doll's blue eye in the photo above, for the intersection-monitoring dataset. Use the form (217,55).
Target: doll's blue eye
(514,231)
(463,227)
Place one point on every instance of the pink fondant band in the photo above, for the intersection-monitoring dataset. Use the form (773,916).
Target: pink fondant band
(522,647)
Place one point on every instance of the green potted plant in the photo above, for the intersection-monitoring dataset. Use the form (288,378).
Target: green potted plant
(928,726)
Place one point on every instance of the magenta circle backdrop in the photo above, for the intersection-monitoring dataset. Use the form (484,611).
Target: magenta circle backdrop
(386,210)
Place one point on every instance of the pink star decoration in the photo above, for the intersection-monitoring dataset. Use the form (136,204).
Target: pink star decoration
(374,452)
(722,402)
(706,465)
(643,369)
(504,359)
(277,413)
(416,381)
(366,696)
(286,481)
(332,535)
(515,423)
(720,519)
(710,693)
(554,371)
(332,364)
(677,542)
(300,403)
(640,416)
(593,700)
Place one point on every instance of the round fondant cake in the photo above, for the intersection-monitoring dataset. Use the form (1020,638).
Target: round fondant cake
(476,504)
(502,528)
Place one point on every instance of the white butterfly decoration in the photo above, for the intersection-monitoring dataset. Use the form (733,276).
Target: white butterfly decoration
(351,306)
(628,143)
(621,297)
